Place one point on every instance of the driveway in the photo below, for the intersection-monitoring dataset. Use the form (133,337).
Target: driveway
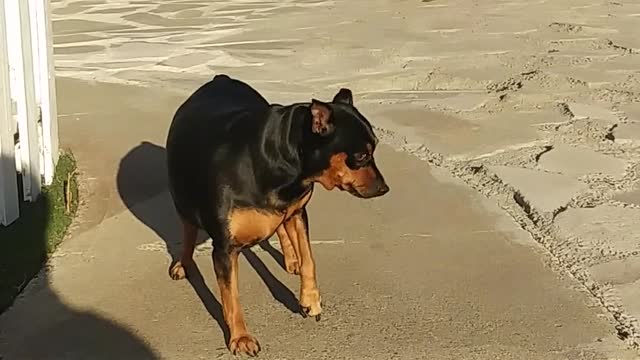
(501,126)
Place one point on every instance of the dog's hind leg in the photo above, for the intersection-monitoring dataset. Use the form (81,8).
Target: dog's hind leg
(190,233)
(291,260)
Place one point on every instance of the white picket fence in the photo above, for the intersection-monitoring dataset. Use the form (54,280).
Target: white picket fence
(28,112)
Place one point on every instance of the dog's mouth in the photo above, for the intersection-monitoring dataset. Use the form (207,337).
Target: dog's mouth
(361,193)
(350,189)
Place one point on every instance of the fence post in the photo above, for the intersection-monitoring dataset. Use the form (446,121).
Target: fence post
(9,209)
(21,61)
(42,35)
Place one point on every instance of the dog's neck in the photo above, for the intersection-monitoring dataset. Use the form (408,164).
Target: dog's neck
(287,132)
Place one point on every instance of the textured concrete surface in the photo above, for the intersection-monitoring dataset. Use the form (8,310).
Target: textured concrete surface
(583,112)
(610,229)
(578,161)
(543,191)
(629,132)
(631,197)
(477,253)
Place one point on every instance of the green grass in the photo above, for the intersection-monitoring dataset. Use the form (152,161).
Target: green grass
(26,243)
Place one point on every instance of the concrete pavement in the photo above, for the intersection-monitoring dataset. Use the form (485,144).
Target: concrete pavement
(509,142)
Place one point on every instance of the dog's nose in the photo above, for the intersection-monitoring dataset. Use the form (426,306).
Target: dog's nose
(383,189)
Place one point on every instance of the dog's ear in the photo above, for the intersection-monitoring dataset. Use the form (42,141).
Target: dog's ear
(344,96)
(321,122)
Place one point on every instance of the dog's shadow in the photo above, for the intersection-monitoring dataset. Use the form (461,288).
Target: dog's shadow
(143,187)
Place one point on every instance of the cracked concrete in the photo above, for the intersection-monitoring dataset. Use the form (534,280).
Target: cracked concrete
(515,121)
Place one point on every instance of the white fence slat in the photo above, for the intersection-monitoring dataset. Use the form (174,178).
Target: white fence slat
(9,207)
(33,26)
(47,87)
(21,59)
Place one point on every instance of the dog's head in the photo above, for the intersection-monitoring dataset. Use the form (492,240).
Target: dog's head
(342,154)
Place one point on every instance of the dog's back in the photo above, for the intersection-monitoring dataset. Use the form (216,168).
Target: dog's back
(212,107)
(218,115)
(222,95)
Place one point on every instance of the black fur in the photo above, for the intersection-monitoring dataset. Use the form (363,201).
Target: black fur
(228,147)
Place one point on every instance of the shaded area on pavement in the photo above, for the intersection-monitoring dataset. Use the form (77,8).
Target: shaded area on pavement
(69,333)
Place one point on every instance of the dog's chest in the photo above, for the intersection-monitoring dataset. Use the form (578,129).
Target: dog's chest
(248,226)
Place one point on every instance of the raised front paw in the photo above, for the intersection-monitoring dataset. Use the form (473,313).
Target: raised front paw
(292,265)
(244,344)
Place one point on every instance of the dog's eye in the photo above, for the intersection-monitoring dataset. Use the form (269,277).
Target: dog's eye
(362,156)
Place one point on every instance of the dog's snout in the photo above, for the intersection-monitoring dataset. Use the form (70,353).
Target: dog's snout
(383,189)
(379,188)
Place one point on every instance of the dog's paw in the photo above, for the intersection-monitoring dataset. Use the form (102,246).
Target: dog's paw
(311,304)
(244,344)
(177,271)
(292,266)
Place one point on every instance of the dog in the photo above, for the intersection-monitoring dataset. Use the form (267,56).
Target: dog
(243,169)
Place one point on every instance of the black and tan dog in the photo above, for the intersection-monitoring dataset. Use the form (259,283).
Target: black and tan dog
(243,169)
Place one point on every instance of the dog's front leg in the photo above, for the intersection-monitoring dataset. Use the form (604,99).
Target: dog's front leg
(310,300)
(225,263)
(291,262)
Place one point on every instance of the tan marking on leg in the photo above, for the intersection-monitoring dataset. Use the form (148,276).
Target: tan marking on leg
(189,236)
(290,228)
(291,263)
(310,299)
(241,341)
